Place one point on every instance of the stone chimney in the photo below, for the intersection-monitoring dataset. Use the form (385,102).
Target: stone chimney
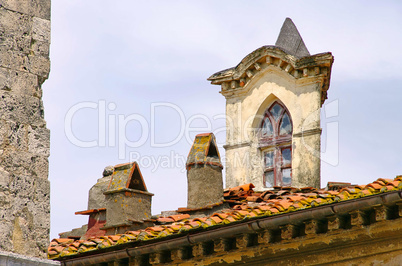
(204,173)
(96,196)
(128,203)
(96,209)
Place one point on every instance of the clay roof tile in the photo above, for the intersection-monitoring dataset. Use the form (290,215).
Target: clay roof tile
(179,217)
(273,204)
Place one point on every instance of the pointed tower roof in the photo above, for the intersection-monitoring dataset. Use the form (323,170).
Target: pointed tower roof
(289,54)
(291,41)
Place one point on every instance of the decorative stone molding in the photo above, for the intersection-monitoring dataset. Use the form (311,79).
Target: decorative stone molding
(308,132)
(237,145)
(318,65)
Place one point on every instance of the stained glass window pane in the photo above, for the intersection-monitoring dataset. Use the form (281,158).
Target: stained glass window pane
(286,156)
(286,177)
(276,111)
(267,128)
(269,159)
(269,179)
(285,127)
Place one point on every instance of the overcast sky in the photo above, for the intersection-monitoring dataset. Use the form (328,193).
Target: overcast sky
(141,67)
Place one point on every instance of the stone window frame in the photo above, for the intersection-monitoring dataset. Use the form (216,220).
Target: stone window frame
(276,144)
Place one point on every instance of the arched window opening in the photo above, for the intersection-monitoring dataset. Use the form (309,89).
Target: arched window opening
(276,144)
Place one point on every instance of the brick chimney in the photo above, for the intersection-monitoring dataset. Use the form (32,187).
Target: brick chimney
(204,173)
(128,202)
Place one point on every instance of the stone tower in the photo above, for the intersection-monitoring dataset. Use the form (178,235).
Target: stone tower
(24,138)
(273,100)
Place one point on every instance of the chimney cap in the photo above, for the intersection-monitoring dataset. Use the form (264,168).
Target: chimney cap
(127,176)
(204,151)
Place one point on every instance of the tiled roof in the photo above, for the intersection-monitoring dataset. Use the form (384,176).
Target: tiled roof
(245,205)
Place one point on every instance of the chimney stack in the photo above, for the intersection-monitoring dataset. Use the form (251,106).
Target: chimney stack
(128,203)
(204,173)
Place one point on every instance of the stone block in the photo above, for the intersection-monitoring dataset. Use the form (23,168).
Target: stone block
(39,141)
(381,213)
(41,197)
(4,180)
(14,162)
(135,261)
(37,8)
(3,135)
(39,166)
(39,65)
(358,218)
(220,245)
(13,59)
(155,258)
(17,135)
(25,110)
(26,212)
(198,250)
(26,238)
(41,30)
(288,231)
(16,60)
(39,48)
(23,186)
(14,24)
(17,43)
(5,201)
(265,237)
(22,163)
(19,82)
(6,228)
(334,223)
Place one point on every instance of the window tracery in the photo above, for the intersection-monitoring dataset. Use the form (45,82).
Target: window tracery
(275,142)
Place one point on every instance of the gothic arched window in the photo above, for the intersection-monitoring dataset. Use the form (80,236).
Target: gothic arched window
(276,144)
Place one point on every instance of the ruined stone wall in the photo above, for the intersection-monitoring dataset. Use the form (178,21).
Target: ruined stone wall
(24,138)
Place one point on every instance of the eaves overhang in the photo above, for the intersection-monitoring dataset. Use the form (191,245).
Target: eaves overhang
(380,203)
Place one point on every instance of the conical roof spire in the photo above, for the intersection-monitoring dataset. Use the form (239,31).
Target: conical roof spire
(291,41)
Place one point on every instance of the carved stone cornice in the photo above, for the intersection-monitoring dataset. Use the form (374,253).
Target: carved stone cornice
(234,80)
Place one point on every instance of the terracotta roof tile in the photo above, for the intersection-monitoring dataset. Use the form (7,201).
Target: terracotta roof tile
(229,219)
(201,219)
(63,240)
(179,217)
(275,202)
(374,185)
(395,183)
(114,237)
(165,220)
(216,219)
(220,215)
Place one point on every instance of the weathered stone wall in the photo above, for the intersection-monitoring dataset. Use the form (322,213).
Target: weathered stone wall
(24,138)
